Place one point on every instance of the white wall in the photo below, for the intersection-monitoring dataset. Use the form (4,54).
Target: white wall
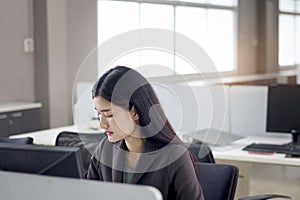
(195,108)
(245,109)
(82,39)
(187,108)
(248,108)
(65,36)
(58,63)
(16,66)
(65,31)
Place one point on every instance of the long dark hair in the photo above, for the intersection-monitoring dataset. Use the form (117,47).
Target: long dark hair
(126,87)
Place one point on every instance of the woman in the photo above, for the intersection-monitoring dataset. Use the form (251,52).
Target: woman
(141,147)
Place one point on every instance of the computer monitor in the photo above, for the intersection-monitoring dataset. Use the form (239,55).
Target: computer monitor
(45,160)
(283,110)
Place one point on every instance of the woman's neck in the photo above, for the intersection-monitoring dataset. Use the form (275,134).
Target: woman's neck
(134,144)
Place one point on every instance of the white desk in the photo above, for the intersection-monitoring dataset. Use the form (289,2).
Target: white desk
(16,106)
(237,154)
(18,117)
(234,154)
(48,136)
(231,153)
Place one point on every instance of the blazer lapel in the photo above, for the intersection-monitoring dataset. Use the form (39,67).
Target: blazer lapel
(143,166)
(146,162)
(153,160)
(118,163)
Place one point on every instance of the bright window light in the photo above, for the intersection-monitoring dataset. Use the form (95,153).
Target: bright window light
(157,16)
(298,40)
(213,28)
(116,17)
(289,33)
(287,5)
(220,43)
(224,2)
(286,40)
(298,6)
(195,30)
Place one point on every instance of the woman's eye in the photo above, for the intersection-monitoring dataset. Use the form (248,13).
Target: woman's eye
(99,115)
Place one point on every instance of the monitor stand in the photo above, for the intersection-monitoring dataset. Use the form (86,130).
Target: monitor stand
(295,137)
(295,142)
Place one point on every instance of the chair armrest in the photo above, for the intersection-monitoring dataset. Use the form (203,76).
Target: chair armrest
(265,197)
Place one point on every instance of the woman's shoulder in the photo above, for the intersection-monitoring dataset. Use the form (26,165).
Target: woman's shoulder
(176,149)
(179,159)
(174,153)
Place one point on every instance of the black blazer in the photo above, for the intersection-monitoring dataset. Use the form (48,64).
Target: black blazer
(170,169)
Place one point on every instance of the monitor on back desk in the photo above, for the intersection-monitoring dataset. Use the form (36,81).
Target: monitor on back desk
(283,116)
(44,160)
(283,110)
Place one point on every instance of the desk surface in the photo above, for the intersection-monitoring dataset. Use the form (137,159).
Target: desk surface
(232,152)
(48,136)
(16,106)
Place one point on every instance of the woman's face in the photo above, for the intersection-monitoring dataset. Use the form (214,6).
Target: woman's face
(117,122)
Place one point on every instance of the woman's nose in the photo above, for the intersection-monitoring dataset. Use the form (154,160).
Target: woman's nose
(103,123)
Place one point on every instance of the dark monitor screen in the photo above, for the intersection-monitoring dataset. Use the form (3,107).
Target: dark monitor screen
(45,160)
(283,109)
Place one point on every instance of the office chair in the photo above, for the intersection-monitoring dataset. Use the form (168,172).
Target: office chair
(87,142)
(202,153)
(24,140)
(265,197)
(218,181)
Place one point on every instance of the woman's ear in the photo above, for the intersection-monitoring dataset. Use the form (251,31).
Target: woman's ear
(134,114)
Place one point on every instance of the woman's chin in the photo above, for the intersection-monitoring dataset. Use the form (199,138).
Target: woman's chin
(113,139)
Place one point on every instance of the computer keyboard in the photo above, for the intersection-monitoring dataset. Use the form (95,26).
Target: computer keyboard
(273,148)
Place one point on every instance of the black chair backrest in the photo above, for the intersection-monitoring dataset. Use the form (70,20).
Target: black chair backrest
(202,153)
(87,142)
(218,181)
(24,140)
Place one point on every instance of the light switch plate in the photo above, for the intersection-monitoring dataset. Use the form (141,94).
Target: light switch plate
(28,45)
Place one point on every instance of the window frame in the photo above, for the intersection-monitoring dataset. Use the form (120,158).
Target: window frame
(195,76)
(294,14)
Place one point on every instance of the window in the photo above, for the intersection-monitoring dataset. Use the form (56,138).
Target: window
(209,23)
(289,33)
